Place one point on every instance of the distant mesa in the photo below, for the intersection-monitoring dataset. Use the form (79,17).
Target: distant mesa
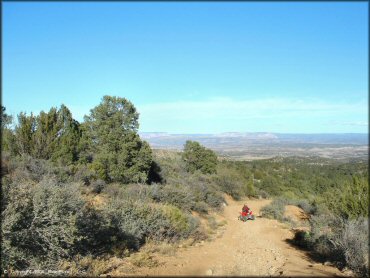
(251,135)
(248,145)
(340,138)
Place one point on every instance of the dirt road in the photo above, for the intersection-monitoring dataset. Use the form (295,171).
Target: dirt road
(248,249)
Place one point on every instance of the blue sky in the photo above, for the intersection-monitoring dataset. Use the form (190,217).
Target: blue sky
(202,67)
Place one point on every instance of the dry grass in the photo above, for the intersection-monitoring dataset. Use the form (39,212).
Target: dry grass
(143,259)
(222,223)
(90,266)
(164,248)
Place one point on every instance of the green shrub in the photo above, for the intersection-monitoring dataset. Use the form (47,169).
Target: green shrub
(84,174)
(214,199)
(340,240)
(248,188)
(27,168)
(275,210)
(200,207)
(302,239)
(39,224)
(262,193)
(230,182)
(306,206)
(178,219)
(138,221)
(351,200)
(101,234)
(97,186)
(212,223)
(353,243)
(180,196)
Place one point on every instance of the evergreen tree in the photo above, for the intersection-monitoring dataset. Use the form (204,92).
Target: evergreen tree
(7,135)
(351,200)
(197,157)
(6,119)
(45,134)
(56,136)
(119,153)
(65,146)
(24,132)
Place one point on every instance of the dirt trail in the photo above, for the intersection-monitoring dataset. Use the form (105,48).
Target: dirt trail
(248,249)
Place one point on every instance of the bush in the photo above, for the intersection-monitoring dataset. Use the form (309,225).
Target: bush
(179,196)
(212,223)
(99,234)
(39,224)
(337,239)
(143,259)
(302,239)
(306,206)
(214,199)
(155,175)
(97,186)
(16,218)
(351,200)
(353,243)
(84,175)
(275,210)
(137,221)
(184,224)
(195,191)
(230,182)
(201,207)
(27,168)
(262,194)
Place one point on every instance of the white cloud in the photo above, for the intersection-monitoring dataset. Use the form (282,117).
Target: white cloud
(268,114)
(358,123)
(228,108)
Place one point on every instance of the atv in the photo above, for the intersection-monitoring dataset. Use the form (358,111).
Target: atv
(244,217)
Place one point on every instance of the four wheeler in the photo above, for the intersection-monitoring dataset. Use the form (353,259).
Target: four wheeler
(246,215)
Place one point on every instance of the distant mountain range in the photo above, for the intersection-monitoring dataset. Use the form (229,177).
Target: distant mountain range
(167,139)
(266,144)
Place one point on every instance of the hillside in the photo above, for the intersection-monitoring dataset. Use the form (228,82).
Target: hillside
(92,198)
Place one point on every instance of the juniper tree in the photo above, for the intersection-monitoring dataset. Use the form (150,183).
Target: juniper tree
(7,135)
(118,152)
(197,157)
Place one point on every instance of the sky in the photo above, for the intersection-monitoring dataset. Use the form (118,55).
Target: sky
(193,67)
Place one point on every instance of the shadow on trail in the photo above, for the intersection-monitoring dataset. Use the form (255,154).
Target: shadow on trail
(314,257)
(298,243)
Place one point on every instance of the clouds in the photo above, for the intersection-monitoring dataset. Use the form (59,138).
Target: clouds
(222,108)
(226,114)
(358,123)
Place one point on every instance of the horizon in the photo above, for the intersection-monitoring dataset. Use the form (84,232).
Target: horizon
(251,132)
(194,68)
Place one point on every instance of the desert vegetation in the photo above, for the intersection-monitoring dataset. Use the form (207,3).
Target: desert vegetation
(335,196)
(76,194)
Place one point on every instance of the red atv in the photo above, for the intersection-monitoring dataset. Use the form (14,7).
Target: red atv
(246,214)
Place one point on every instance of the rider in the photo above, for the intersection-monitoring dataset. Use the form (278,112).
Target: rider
(245,209)
(246,213)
